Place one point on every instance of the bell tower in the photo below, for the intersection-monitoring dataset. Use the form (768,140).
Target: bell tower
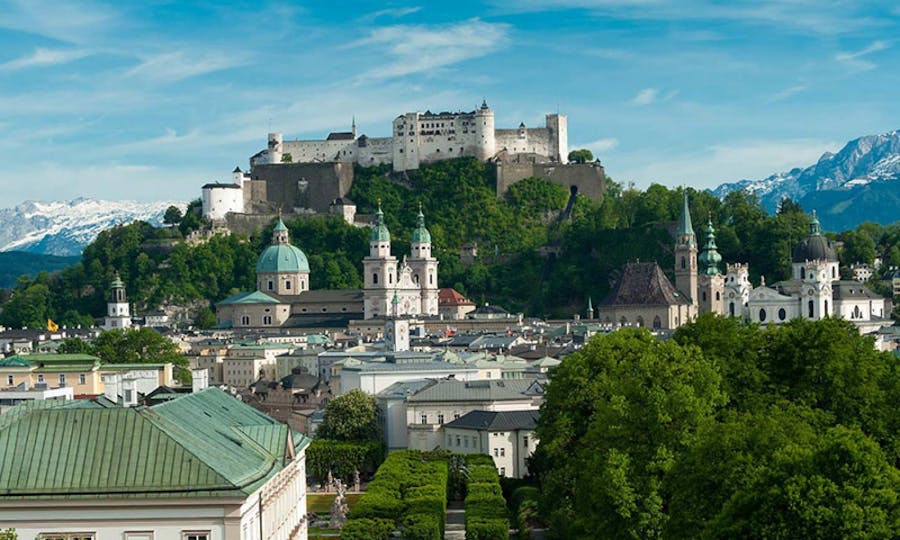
(686,256)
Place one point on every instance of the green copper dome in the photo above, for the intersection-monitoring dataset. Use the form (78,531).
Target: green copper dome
(420,234)
(282,258)
(379,232)
(710,258)
(117,282)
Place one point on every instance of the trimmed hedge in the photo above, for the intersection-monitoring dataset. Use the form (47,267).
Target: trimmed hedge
(410,490)
(342,458)
(368,529)
(486,514)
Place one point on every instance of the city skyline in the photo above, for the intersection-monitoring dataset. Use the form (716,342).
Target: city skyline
(151,102)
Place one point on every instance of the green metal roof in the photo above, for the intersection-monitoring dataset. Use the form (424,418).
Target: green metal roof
(420,234)
(129,367)
(685,227)
(15,361)
(117,283)
(60,358)
(200,445)
(255,297)
(379,232)
(280,225)
(282,258)
(710,258)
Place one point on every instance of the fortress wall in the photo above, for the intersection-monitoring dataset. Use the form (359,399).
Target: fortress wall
(535,141)
(588,178)
(313,186)
(310,151)
(377,150)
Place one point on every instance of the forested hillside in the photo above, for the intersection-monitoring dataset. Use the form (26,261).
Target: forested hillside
(460,205)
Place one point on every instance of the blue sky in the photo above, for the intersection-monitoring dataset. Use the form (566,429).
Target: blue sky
(150,100)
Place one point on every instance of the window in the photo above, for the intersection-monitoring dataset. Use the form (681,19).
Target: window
(440,419)
(375,279)
(139,535)
(455,416)
(832,273)
(718,295)
(762,315)
(40,377)
(390,278)
(424,418)
(810,309)
(496,452)
(503,452)
(704,296)
(62,379)
(803,273)
(683,263)
(465,442)
(826,308)
(67,536)
(457,440)
(10,379)
(82,378)
(245,320)
(502,471)
(782,314)
(267,320)
(731,308)
(287,284)
(195,535)
(271,285)
(525,441)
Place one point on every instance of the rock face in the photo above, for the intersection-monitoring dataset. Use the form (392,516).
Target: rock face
(65,228)
(861,182)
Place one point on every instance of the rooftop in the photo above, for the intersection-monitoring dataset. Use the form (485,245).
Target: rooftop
(497,421)
(485,390)
(643,284)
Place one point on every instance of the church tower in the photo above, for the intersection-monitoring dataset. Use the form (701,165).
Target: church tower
(686,256)
(711,282)
(380,269)
(118,314)
(282,268)
(396,329)
(424,266)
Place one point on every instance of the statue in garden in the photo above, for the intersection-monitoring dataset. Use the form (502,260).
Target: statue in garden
(356,486)
(329,482)
(339,507)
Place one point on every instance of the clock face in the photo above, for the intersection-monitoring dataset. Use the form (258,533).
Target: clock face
(731,295)
(809,292)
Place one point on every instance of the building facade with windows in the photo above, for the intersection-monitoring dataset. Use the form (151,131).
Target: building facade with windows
(507,436)
(203,466)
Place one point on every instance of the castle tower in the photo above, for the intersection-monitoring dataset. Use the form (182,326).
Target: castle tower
(711,282)
(559,137)
(380,269)
(405,142)
(282,268)
(424,266)
(353,127)
(276,147)
(485,142)
(737,289)
(686,256)
(118,314)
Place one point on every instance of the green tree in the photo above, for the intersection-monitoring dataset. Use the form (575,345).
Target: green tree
(140,346)
(172,216)
(205,318)
(616,416)
(8,534)
(75,346)
(29,306)
(582,155)
(350,417)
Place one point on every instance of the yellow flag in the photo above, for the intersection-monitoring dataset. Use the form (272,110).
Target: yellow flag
(52,326)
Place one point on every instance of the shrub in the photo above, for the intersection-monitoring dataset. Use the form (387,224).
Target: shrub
(487,529)
(484,488)
(377,505)
(342,458)
(421,527)
(486,514)
(522,494)
(367,529)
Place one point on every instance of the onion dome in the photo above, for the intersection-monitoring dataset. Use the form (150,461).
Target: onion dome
(420,234)
(282,256)
(815,246)
(379,232)
(710,258)
(117,282)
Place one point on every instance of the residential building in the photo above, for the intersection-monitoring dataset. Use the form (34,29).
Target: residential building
(507,436)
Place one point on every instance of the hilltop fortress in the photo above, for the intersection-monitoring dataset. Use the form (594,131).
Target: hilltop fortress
(296,176)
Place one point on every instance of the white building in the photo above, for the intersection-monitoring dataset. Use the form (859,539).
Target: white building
(118,313)
(373,377)
(219,199)
(426,137)
(507,436)
(204,466)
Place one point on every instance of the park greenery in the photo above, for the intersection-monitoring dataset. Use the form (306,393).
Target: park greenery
(533,255)
(727,430)
(131,346)
(352,416)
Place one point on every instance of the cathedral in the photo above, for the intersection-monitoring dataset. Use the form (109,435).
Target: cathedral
(814,291)
(283,297)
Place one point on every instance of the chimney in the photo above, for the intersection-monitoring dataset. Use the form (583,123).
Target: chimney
(129,392)
(199,379)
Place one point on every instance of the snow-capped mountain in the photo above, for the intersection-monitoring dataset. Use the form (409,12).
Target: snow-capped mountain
(859,176)
(65,228)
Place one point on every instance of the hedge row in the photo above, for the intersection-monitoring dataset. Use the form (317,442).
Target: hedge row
(342,458)
(410,490)
(486,515)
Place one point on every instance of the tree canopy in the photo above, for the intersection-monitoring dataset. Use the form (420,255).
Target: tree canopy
(582,155)
(350,417)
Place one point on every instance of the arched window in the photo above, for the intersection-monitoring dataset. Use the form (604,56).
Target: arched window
(683,263)
(857,314)
(640,321)
(390,277)
(833,272)
(762,315)
(375,278)
(657,323)
(302,284)
(245,320)
(731,308)
(416,279)
(802,273)
(810,309)
(287,284)
(782,314)
(704,296)
(827,312)
(718,296)
(623,321)
(267,320)
(270,285)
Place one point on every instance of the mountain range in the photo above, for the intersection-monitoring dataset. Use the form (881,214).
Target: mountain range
(859,183)
(65,228)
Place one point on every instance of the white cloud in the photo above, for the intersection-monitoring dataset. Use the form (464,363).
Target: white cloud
(177,65)
(786,93)
(395,12)
(645,96)
(44,57)
(599,146)
(722,162)
(855,59)
(419,48)
(73,22)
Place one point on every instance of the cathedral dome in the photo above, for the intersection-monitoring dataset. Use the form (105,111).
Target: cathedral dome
(420,234)
(815,246)
(379,232)
(282,258)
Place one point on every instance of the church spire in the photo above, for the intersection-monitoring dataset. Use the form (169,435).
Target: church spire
(590,309)
(710,258)
(685,228)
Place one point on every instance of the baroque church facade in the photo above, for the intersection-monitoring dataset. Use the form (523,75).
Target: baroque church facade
(814,291)
(283,298)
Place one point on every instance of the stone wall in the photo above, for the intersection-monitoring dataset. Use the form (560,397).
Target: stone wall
(588,178)
(298,186)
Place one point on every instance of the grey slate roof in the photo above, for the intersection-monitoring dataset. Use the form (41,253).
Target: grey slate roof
(486,390)
(497,421)
(643,284)
(846,290)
